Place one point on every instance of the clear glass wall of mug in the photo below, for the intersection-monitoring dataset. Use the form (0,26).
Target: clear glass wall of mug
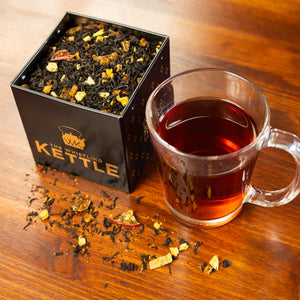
(207,127)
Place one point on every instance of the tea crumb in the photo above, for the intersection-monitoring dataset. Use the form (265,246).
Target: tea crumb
(226,263)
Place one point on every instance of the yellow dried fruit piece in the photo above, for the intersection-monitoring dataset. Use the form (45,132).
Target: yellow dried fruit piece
(160,261)
(127,219)
(88,218)
(52,67)
(98,33)
(73,91)
(123,100)
(53,94)
(116,92)
(81,241)
(71,38)
(157,49)
(109,73)
(125,45)
(105,59)
(118,67)
(157,225)
(214,262)
(47,89)
(80,95)
(87,38)
(99,38)
(142,42)
(183,246)
(212,265)
(76,55)
(65,93)
(209,192)
(140,59)
(90,81)
(174,251)
(44,214)
(103,94)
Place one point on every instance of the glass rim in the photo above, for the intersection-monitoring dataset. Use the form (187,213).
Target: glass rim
(209,157)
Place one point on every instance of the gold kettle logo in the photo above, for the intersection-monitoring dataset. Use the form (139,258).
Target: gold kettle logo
(72,137)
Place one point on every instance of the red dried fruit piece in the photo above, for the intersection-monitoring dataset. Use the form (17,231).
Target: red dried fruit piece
(125,219)
(61,55)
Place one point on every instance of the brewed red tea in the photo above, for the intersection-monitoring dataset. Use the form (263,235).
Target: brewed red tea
(207,127)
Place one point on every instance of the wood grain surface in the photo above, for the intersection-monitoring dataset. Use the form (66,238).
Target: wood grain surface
(257,39)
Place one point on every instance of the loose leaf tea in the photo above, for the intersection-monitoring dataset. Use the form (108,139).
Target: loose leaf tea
(90,225)
(95,64)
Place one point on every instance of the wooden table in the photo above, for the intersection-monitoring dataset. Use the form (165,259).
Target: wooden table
(257,39)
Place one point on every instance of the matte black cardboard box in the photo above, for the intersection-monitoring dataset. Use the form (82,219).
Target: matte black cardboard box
(103,147)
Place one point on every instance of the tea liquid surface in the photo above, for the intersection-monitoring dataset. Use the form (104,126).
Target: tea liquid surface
(206,127)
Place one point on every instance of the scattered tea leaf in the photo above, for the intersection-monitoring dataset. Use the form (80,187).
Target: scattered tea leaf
(226,263)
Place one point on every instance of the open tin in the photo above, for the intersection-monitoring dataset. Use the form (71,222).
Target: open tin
(96,145)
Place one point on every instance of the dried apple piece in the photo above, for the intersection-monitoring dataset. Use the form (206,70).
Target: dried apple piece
(80,95)
(214,262)
(160,261)
(174,251)
(183,246)
(211,266)
(125,219)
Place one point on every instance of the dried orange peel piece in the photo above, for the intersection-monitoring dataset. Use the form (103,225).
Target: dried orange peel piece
(125,219)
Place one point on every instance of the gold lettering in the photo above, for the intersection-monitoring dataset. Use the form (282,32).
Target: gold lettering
(85,161)
(55,146)
(71,157)
(57,153)
(96,167)
(41,148)
(112,170)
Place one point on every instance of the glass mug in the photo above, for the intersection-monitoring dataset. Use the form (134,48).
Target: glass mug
(207,127)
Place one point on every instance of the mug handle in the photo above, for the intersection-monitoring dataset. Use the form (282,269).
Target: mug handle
(290,143)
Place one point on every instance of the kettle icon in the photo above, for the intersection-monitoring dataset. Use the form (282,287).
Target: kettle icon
(72,137)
